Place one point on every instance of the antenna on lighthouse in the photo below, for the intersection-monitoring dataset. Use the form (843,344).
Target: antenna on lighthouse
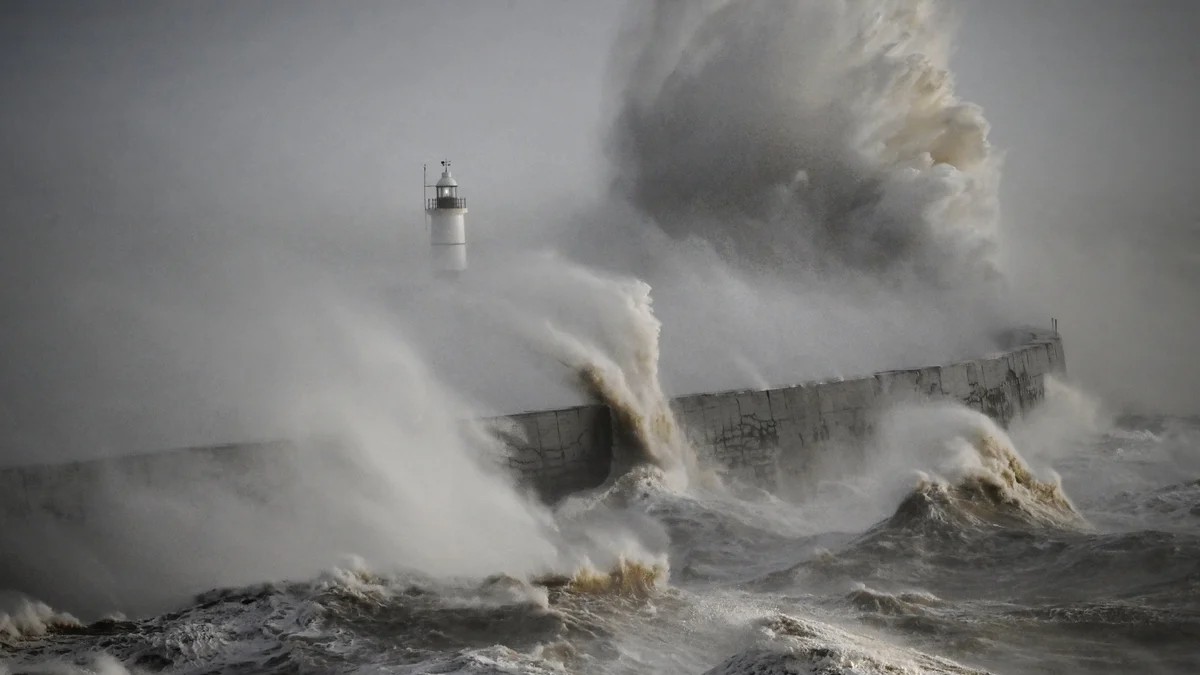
(447,226)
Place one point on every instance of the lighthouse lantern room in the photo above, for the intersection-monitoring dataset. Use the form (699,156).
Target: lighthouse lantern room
(447,226)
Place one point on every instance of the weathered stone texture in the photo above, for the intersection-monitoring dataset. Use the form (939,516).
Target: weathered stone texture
(557,452)
(788,431)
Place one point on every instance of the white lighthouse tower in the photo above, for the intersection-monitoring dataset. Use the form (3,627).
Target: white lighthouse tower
(447,226)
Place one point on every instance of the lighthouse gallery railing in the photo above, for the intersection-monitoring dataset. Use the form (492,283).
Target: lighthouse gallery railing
(446,203)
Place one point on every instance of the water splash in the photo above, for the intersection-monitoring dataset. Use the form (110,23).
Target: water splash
(993,487)
(822,136)
(603,329)
(24,618)
(625,377)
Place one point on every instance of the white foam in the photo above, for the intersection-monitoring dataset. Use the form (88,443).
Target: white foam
(22,618)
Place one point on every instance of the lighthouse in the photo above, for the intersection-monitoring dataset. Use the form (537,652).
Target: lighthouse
(447,226)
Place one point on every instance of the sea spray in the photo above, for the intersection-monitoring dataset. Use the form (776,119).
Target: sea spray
(22,618)
(603,330)
(944,451)
(808,136)
(384,463)
(1067,420)
(992,486)
(625,376)
(810,197)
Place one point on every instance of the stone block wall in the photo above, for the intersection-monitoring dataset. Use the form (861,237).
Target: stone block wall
(764,435)
(557,452)
(761,436)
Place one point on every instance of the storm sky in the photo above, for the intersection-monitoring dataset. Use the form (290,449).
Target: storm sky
(166,162)
(1094,104)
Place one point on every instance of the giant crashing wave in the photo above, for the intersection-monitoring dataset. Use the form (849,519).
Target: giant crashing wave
(808,136)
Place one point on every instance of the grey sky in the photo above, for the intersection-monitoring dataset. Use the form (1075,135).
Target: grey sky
(1095,104)
(174,153)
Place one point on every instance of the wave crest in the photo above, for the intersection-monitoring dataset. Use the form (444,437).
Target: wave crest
(1000,490)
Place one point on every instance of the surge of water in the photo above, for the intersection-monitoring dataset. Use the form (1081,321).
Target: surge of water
(809,136)
(602,329)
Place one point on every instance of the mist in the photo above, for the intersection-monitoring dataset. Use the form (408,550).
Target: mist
(177,172)
(809,196)
(382,467)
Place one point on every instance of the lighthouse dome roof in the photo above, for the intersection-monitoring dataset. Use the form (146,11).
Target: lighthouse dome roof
(447,180)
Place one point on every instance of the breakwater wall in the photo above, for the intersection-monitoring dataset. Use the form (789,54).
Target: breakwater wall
(779,435)
(765,436)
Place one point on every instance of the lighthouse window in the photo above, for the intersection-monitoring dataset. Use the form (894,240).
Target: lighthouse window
(444,192)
